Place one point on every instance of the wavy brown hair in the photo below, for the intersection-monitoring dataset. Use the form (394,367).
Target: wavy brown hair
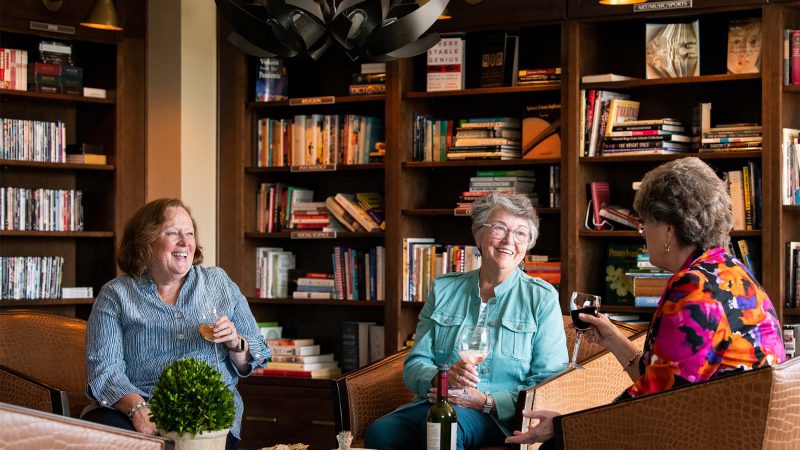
(142,230)
(687,194)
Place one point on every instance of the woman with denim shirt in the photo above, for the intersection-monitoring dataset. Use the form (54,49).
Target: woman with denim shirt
(149,317)
(525,326)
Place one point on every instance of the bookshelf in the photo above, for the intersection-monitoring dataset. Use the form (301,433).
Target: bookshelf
(112,192)
(582,38)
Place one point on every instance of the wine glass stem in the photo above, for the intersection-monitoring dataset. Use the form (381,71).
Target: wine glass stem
(216,359)
(578,339)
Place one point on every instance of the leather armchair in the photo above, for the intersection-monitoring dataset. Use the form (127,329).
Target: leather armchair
(22,429)
(43,361)
(757,409)
(366,394)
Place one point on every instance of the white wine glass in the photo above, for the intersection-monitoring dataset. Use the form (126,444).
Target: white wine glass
(208,319)
(581,303)
(473,346)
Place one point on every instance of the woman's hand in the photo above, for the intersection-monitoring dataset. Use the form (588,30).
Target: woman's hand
(141,421)
(462,375)
(543,431)
(465,397)
(225,333)
(601,331)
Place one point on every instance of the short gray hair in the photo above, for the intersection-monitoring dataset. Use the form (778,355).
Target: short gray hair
(687,194)
(515,204)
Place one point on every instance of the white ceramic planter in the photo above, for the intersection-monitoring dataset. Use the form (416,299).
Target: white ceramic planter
(207,440)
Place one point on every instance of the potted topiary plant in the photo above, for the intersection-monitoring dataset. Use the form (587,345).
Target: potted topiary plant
(192,405)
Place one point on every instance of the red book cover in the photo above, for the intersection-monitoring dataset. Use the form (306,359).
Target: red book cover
(795,56)
(283,373)
(601,197)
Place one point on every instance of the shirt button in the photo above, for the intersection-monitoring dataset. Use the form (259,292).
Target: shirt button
(178,315)
(180,336)
(519,327)
(446,321)
(492,324)
(485,370)
(103,402)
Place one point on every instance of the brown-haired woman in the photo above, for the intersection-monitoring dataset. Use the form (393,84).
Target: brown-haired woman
(149,317)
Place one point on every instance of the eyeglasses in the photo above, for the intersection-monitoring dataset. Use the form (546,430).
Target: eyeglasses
(499,231)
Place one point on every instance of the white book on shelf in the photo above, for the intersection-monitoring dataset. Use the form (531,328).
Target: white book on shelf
(604,77)
(446,65)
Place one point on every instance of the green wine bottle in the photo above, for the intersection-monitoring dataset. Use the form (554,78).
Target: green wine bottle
(442,420)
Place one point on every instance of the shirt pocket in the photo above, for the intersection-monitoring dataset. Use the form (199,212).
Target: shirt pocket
(516,338)
(446,329)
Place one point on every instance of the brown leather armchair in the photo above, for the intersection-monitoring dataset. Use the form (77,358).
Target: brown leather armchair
(368,393)
(758,409)
(22,429)
(43,361)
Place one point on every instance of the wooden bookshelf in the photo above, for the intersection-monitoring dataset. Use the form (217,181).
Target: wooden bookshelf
(479,164)
(336,100)
(339,168)
(708,156)
(111,192)
(508,90)
(644,84)
(317,302)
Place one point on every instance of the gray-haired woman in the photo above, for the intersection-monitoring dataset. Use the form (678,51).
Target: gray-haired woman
(713,317)
(527,342)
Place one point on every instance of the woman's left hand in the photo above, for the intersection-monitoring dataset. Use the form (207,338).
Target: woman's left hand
(543,431)
(225,333)
(466,398)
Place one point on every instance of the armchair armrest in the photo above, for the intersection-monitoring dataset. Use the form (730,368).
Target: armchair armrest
(19,389)
(728,412)
(599,383)
(368,393)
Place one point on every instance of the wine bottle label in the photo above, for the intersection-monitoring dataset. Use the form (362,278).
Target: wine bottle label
(435,436)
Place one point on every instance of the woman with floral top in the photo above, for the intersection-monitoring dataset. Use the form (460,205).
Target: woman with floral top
(713,317)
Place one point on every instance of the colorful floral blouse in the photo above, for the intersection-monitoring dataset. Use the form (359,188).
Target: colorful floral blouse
(713,318)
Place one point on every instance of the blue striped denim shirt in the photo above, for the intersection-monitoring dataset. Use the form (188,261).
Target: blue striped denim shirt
(527,340)
(132,335)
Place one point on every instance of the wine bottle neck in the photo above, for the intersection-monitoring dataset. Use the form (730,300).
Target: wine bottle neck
(442,386)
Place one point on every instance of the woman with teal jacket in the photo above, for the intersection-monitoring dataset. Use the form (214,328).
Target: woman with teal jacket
(522,314)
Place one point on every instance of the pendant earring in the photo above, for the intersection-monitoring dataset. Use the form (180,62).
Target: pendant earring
(522,265)
(667,247)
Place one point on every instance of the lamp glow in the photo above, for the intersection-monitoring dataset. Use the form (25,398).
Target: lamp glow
(103,16)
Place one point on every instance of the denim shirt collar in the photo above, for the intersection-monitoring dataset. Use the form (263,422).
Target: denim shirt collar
(501,288)
(147,284)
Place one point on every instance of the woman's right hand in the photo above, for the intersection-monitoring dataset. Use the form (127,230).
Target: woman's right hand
(462,374)
(601,331)
(142,423)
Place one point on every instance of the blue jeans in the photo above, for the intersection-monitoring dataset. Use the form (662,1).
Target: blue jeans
(406,429)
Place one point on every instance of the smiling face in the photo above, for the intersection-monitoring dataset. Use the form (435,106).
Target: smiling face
(503,254)
(173,251)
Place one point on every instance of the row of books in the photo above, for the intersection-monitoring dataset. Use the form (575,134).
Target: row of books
(359,275)
(299,357)
(790,166)
(362,343)
(370,80)
(272,272)
(33,140)
(791,339)
(30,277)
(486,182)
(791,56)
(474,138)
(424,260)
(744,187)
(317,139)
(13,69)
(281,207)
(792,299)
(41,209)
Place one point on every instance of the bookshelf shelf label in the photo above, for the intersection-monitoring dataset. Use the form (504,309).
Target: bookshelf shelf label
(51,27)
(661,6)
(313,235)
(328,100)
(314,168)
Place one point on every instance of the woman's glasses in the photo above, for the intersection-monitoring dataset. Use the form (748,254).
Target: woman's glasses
(499,231)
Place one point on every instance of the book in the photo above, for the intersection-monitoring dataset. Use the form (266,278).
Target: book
(672,50)
(541,125)
(604,77)
(601,198)
(295,350)
(324,357)
(620,259)
(445,65)
(272,82)
(318,373)
(499,59)
(620,111)
(355,344)
(377,336)
(367,89)
(794,56)
(349,203)
(13,69)
(621,215)
(306,366)
(290,342)
(744,45)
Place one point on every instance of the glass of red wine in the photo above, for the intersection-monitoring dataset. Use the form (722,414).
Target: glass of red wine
(586,304)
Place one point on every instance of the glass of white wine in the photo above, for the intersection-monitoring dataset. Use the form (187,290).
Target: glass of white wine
(473,346)
(208,319)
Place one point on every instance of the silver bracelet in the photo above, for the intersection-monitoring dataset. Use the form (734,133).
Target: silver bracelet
(139,405)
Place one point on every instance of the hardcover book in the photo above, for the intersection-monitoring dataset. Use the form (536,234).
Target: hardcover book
(620,259)
(446,65)
(672,50)
(499,60)
(541,125)
(272,82)
(744,46)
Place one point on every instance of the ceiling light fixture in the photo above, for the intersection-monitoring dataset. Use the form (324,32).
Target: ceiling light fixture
(103,16)
(378,30)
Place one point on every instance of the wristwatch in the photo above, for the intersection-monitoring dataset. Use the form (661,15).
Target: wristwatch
(487,407)
(240,347)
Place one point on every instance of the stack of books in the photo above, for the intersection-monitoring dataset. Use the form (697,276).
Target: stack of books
(357,209)
(732,137)
(316,286)
(486,182)
(86,154)
(486,138)
(371,80)
(424,260)
(648,282)
(528,77)
(540,266)
(299,358)
(640,137)
(308,216)
(272,272)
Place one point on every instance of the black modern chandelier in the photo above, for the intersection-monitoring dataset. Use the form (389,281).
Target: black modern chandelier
(377,30)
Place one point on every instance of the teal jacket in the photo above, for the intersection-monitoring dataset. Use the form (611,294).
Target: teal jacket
(527,344)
